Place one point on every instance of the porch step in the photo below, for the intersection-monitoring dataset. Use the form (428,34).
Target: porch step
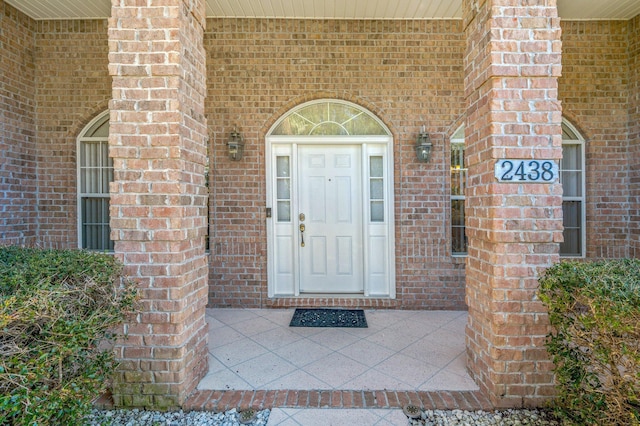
(220,401)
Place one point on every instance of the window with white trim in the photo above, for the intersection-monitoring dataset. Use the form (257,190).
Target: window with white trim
(95,172)
(573,192)
(458,184)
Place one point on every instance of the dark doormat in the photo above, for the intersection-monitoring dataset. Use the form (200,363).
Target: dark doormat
(328,318)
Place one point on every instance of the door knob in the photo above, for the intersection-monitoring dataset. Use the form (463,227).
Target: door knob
(302,235)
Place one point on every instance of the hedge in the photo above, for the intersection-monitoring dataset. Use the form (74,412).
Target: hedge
(594,310)
(58,310)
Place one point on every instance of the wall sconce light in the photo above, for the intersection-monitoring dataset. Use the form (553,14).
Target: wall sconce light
(235,145)
(423,146)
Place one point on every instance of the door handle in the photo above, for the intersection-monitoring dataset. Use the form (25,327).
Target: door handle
(302,228)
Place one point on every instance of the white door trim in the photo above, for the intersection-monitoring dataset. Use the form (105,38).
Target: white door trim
(282,275)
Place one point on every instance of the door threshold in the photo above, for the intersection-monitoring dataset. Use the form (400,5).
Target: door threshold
(308,300)
(334,295)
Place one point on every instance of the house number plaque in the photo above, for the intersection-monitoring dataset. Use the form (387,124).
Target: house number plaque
(526,171)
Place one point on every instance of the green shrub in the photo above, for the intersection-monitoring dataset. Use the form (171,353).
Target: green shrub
(58,309)
(594,309)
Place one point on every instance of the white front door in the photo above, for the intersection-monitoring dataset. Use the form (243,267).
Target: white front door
(329,210)
(341,193)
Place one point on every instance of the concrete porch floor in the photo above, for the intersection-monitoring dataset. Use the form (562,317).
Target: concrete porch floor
(256,360)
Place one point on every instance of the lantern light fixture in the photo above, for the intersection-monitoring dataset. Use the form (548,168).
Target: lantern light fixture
(235,145)
(423,146)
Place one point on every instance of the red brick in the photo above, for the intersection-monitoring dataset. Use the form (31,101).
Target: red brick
(336,399)
(325,399)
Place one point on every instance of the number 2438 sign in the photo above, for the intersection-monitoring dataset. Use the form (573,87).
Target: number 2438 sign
(523,171)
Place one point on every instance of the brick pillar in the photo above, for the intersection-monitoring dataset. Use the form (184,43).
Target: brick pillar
(512,64)
(158,199)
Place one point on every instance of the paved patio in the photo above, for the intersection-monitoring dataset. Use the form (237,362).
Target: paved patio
(256,360)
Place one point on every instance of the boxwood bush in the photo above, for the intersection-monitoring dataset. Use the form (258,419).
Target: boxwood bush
(58,309)
(594,309)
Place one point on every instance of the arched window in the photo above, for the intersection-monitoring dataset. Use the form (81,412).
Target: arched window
(329,118)
(95,172)
(572,177)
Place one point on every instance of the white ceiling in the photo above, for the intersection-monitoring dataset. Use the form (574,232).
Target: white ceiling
(330,9)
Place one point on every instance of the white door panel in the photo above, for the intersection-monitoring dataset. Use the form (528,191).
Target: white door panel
(330,198)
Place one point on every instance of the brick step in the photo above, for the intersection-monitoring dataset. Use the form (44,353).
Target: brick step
(219,401)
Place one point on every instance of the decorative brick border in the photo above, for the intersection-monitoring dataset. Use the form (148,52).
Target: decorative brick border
(219,401)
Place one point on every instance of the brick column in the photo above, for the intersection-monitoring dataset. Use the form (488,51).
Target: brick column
(158,140)
(512,64)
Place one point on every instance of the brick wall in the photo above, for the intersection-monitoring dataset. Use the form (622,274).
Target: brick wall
(634,133)
(73,86)
(409,73)
(594,90)
(18,189)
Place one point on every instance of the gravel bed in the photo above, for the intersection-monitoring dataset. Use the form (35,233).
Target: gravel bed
(483,418)
(232,418)
(137,417)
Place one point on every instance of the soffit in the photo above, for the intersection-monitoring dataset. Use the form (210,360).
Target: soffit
(328,9)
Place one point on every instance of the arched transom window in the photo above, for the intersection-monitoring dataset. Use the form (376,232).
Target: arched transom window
(329,118)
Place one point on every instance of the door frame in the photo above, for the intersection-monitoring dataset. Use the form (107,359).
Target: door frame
(370,145)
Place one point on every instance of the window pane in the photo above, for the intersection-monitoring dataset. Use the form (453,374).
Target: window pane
(364,125)
(457,212)
(341,113)
(100,129)
(294,125)
(95,224)
(284,211)
(375,166)
(571,157)
(282,166)
(458,171)
(328,129)
(571,184)
(459,134)
(284,189)
(315,113)
(106,173)
(572,219)
(376,189)
(567,133)
(458,239)
(377,211)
